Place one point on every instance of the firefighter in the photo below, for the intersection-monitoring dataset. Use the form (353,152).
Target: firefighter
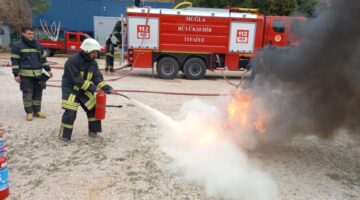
(28,62)
(110,46)
(117,33)
(109,54)
(80,80)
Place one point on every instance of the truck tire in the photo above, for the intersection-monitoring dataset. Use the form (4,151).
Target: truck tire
(167,68)
(194,68)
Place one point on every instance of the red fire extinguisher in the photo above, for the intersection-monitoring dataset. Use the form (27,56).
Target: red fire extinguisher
(100,105)
(4,182)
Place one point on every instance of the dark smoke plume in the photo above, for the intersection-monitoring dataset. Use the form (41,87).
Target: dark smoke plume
(315,87)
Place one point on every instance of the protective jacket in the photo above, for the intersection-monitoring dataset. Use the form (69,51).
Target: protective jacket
(79,82)
(27,59)
(109,53)
(117,32)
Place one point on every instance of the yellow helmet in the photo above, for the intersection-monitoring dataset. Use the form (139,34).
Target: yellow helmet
(89,45)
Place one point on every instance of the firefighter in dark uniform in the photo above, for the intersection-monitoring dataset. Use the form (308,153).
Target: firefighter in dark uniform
(28,63)
(110,47)
(80,80)
(117,32)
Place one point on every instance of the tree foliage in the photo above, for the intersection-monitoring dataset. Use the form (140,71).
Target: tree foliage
(271,7)
(277,7)
(19,12)
(307,7)
(39,6)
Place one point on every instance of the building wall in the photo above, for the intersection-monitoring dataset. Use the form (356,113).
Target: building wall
(103,26)
(78,15)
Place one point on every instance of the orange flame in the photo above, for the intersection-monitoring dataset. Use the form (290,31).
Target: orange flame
(259,124)
(238,111)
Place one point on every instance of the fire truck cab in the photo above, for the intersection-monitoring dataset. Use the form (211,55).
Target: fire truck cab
(70,43)
(195,40)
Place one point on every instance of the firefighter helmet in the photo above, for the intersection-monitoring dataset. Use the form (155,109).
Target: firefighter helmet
(89,45)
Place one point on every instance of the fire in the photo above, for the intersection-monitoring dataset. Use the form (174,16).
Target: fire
(259,124)
(239,107)
(239,111)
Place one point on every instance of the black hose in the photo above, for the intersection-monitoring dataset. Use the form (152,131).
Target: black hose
(114,106)
(123,95)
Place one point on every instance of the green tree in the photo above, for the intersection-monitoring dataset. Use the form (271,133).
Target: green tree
(39,6)
(270,7)
(247,4)
(277,7)
(307,7)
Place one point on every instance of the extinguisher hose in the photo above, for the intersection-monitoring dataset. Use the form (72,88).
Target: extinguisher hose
(108,92)
(123,95)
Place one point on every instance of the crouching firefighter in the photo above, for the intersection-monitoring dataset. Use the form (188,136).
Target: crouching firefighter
(28,63)
(80,80)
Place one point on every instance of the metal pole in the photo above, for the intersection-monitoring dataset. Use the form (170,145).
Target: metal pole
(122,39)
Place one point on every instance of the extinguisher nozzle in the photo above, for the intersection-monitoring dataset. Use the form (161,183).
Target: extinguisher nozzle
(123,96)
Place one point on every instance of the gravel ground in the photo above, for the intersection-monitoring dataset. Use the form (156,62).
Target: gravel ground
(128,162)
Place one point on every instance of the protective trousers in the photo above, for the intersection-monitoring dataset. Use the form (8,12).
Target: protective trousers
(110,57)
(32,94)
(69,117)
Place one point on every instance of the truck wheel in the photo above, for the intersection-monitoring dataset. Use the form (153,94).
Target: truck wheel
(194,69)
(167,68)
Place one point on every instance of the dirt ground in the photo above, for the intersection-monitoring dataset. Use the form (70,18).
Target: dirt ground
(128,163)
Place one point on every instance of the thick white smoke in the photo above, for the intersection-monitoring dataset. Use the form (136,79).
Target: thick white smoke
(202,153)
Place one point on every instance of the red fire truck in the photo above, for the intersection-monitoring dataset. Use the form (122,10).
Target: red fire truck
(70,44)
(194,40)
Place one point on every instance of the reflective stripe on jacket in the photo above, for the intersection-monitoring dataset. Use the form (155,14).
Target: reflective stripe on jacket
(27,59)
(79,82)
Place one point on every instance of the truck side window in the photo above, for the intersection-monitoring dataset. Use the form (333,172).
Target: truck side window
(279,26)
(72,37)
(82,38)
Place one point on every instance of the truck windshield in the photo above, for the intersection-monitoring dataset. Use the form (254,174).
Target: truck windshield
(279,26)
(82,38)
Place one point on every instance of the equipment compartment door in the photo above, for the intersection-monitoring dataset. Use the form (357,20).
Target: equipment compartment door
(242,37)
(143,32)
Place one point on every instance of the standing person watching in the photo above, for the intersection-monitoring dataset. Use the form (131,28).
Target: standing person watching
(109,54)
(27,63)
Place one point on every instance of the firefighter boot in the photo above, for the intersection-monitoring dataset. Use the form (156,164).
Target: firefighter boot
(29,117)
(92,134)
(64,141)
(40,115)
